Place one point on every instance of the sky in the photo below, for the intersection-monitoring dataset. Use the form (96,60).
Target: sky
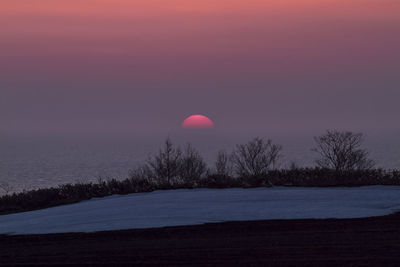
(93,66)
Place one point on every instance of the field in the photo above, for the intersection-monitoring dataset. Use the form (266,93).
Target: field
(164,208)
(278,226)
(373,241)
(140,183)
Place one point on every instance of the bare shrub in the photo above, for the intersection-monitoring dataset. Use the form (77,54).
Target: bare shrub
(142,172)
(256,157)
(293,165)
(6,187)
(192,165)
(166,165)
(341,151)
(223,164)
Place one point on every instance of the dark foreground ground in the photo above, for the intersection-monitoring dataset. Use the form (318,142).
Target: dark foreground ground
(350,242)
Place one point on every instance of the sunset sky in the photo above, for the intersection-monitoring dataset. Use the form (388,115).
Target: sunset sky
(126,65)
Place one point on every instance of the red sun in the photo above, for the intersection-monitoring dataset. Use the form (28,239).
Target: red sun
(197,122)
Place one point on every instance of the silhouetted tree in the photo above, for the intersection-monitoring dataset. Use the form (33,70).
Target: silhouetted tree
(192,165)
(142,172)
(6,187)
(293,165)
(341,150)
(222,164)
(166,165)
(256,157)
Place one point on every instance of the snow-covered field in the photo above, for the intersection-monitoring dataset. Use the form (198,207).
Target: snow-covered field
(186,207)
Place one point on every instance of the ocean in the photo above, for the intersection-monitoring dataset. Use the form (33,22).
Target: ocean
(31,162)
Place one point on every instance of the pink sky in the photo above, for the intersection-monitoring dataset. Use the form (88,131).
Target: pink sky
(97,53)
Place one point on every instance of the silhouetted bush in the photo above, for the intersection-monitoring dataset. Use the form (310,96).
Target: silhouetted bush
(255,165)
(192,165)
(305,177)
(342,151)
(220,181)
(223,165)
(166,165)
(255,158)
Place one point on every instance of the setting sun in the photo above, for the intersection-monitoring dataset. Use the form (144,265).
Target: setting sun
(197,122)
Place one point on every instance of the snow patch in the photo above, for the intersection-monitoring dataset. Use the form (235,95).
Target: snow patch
(198,206)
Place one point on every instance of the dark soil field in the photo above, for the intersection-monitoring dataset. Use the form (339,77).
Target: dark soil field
(347,242)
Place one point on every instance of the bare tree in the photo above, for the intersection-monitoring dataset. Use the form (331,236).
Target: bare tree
(192,165)
(340,150)
(256,157)
(166,165)
(142,172)
(6,187)
(293,165)
(222,164)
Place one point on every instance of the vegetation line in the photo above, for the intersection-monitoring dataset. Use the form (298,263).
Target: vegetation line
(342,162)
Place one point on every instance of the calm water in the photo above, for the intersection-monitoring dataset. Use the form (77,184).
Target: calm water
(33,162)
